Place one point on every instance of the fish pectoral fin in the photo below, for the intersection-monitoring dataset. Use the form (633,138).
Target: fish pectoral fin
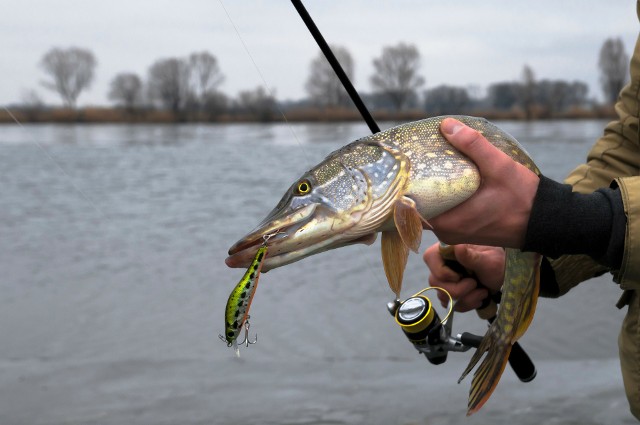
(409,222)
(394,259)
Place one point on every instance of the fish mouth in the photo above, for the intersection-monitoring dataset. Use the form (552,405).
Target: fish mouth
(290,241)
(269,233)
(244,257)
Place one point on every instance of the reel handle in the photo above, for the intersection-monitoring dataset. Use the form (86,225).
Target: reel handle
(470,340)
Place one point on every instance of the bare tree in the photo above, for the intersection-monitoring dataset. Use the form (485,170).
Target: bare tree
(31,99)
(613,64)
(527,91)
(503,95)
(445,99)
(396,73)
(126,90)
(71,71)
(258,103)
(214,104)
(205,76)
(168,83)
(323,86)
(578,94)
(557,96)
(31,104)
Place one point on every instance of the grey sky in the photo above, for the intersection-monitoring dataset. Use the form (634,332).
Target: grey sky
(462,42)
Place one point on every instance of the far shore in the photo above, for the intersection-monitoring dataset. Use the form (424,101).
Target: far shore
(104,115)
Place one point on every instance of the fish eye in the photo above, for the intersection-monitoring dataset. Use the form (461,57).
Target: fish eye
(303,187)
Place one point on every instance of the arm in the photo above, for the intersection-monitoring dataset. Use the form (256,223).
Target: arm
(514,208)
(614,159)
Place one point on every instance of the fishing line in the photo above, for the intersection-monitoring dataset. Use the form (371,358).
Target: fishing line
(264,82)
(352,92)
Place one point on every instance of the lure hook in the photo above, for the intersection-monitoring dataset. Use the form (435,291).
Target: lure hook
(246,340)
(265,238)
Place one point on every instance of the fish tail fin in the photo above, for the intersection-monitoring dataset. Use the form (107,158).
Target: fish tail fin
(486,378)
(482,348)
(525,316)
(519,299)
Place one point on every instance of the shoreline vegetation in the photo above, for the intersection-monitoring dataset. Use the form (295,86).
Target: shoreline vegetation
(106,115)
(186,90)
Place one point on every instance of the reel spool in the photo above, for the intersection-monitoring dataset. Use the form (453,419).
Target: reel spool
(421,324)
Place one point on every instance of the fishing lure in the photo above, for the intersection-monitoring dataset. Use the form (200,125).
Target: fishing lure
(237,312)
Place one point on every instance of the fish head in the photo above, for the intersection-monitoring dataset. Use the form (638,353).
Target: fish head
(339,202)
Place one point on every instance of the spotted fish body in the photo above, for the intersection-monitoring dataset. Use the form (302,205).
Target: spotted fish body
(239,301)
(438,176)
(392,183)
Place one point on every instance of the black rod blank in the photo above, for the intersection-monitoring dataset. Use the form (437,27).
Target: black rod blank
(337,68)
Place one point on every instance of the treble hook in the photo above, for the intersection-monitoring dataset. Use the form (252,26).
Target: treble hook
(246,341)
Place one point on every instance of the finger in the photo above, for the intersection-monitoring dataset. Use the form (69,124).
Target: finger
(457,290)
(486,262)
(472,301)
(436,265)
(443,298)
(471,143)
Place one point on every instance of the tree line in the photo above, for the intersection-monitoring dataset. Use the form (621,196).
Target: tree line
(188,88)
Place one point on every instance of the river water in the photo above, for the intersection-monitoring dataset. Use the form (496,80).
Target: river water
(113,288)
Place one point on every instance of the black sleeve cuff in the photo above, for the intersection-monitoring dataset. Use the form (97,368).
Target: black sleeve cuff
(549,287)
(566,222)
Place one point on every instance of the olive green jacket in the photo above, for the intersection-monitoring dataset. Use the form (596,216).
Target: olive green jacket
(614,159)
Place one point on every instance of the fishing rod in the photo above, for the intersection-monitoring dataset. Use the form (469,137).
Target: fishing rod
(418,320)
(335,65)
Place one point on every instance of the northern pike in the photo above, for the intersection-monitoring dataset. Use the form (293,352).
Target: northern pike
(393,182)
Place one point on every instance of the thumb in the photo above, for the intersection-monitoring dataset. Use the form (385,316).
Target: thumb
(470,142)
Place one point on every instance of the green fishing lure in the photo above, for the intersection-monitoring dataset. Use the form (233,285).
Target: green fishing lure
(237,311)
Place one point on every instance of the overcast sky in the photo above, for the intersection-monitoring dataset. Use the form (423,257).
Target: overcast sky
(462,43)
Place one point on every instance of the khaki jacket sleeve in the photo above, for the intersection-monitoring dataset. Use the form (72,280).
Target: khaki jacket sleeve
(629,274)
(615,157)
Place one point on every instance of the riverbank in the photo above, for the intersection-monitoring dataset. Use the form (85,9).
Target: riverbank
(104,115)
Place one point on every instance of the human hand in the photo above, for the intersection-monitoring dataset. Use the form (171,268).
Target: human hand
(498,212)
(487,264)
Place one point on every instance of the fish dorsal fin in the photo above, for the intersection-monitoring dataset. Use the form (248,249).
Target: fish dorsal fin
(394,259)
(409,222)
